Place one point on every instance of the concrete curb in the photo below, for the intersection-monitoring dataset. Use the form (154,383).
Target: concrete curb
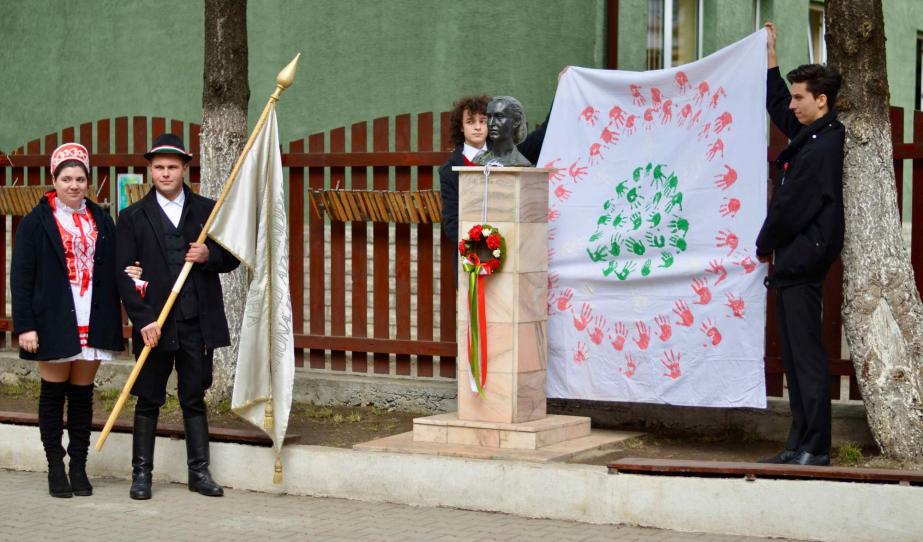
(794,509)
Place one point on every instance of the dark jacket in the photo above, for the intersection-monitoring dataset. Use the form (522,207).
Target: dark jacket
(141,238)
(804,226)
(42,297)
(530,147)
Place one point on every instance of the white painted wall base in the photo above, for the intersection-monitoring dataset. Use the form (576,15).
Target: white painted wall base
(794,509)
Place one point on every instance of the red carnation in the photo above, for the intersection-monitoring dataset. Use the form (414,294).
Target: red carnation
(461,247)
(475,233)
(493,241)
(493,264)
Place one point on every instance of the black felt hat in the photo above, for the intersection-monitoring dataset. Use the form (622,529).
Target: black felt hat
(168,144)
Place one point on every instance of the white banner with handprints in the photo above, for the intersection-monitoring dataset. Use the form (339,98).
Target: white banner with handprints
(657,195)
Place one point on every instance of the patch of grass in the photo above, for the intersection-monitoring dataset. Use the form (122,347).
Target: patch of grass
(338,418)
(354,417)
(171,405)
(635,443)
(24,388)
(310,410)
(849,454)
(222,407)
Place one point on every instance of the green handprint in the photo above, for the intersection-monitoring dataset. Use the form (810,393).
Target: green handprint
(620,188)
(679,243)
(598,255)
(656,241)
(667,259)
(646,269)
(614,245)
(595,237)
(617,220)
(647,168)
(634,246)
(658,175)
(672,183)
(636,220)
(680,224)
(603,220)
(607,204)
(636,175)
(623,274)
(675,201)
(654,220)
(655,200)
(634,198)
(609,269)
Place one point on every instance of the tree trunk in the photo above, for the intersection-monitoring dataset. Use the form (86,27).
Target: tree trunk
(225,96)
(882,311)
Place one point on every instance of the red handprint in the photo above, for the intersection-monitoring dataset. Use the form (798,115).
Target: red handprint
(728,178)
(553,214)
(580,354)
(608,136)
(716,96)
(595,154)
(586,312)
(681,309)
(564,299)
(703,92)
(682,82)
(695,119)
(551,253)
(599,324)
(552,232)
(589,114)
(671,362)
(723,122)
(709,329)
(553,280)
(665,330)
(737,305)
(621,332)
(558,172)
(730,207)
(700,287)
(716,148)
(630,124)
(718,269)
(648,119)
(637,97)
(666,112)
(684,115)
(562,192)
(726,238)
(656,98)
(704,132)
(630,366)
(616,116)
(576,171)
(748,264)
(644,335)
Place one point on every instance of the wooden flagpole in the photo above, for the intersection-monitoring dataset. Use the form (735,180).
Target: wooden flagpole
(284,80)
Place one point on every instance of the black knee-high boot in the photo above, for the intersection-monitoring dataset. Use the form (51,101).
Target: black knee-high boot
(51,428)
(197,457)
(79,422)
(144,434)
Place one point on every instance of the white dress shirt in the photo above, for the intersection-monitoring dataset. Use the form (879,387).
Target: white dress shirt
(470,152)
(173,208)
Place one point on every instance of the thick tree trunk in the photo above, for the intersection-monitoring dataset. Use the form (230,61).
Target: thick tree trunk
(882,310)
(225,96)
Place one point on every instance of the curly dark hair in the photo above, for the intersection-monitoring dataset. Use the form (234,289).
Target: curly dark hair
(475,104)
(818,79)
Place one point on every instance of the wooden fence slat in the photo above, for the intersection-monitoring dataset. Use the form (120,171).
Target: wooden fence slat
(194,146)
(896,115)
(774,378)
(402,246)
(121,142)
(3,243)
(832,321)
(359,181)
(316,259)
(381,260)
(448,263)
(158,127)
(139,139)
(424,250)
(296,246)
(338,257)
(104,145)
(34,174)
(916,210)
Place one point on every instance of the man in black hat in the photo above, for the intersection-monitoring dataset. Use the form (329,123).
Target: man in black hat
(160,232)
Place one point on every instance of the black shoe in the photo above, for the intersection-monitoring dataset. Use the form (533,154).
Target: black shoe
(79,423)
(79,480)
(142,457)
(782,457)
(58,486)
(200,479)
(807,458)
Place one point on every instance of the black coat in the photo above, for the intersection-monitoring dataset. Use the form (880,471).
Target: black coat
(141,238)
(42,298)
(804,226)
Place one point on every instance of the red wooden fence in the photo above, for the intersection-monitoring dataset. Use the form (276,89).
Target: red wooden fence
(367,298)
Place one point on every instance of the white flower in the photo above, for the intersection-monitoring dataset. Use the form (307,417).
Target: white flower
(487,231)
(496,253)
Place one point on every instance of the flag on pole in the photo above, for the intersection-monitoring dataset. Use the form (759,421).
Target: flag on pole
(252,225)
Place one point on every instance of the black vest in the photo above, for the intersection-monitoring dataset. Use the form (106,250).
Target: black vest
(187,303)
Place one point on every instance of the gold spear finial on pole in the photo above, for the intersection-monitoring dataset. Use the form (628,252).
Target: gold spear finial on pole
(284,80)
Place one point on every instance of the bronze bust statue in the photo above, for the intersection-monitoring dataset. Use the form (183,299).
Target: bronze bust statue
(506,126)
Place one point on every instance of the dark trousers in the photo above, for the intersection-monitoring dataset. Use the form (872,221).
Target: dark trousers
(798,309)
(193,363)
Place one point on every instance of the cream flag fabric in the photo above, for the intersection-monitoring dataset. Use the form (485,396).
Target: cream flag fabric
(656,198)
(252,225)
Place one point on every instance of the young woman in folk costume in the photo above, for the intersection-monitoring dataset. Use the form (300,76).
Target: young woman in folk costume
(66,310)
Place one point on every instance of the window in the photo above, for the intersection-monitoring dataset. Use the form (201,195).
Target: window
(673,25)
(817,47)
(918,95)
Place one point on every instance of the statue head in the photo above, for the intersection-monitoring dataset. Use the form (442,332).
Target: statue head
(506,122)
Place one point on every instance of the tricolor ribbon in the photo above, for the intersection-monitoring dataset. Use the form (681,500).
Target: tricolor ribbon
(477,323)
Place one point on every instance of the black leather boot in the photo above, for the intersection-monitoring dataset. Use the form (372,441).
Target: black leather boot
(200,479)
(79,423)
(142,457)
(51,428)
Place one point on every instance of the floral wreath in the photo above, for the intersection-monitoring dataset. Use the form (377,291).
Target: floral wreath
(481,235)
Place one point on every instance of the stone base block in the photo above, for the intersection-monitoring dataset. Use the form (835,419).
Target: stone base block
(449,429)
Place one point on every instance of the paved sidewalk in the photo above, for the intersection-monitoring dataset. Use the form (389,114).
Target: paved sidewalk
(29,513)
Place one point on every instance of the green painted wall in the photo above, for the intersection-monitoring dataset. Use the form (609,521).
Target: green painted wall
(69,62)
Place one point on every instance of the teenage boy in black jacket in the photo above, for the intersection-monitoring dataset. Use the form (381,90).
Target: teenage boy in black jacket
(803,236)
